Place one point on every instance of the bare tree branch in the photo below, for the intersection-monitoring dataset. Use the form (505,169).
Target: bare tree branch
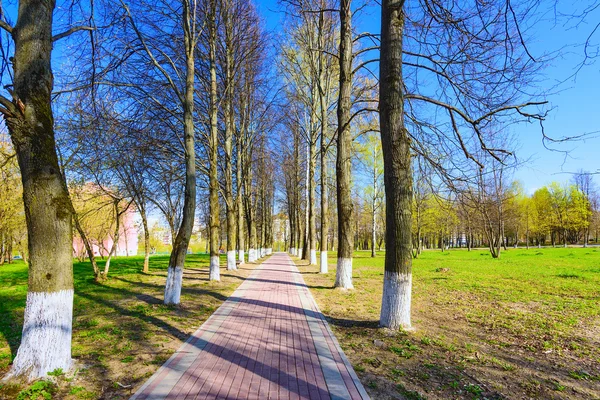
(71,31)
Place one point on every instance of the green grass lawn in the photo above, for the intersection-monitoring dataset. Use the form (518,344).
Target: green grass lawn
(526,325)
(122,332)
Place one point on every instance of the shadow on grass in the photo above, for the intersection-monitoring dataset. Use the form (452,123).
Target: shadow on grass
(13,291)
(153,286)
(352,323)
(122,311)
(10,323)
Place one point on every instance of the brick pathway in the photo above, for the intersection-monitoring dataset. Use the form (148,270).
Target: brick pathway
(267,341)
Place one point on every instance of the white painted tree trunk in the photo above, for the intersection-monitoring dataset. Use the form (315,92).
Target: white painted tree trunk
(231,265)
(324,267)
(299,253)
(269,251)
(215,269)
(251,255)
(343,275)
(241,256)
(313,257)
(46,342)
(294,251)
(395,305)
(173,286)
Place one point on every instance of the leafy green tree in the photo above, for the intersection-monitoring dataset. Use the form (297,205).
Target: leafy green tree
(370,156)
(13,230)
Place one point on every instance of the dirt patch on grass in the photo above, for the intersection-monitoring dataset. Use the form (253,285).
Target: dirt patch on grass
(465,345)
(122,333)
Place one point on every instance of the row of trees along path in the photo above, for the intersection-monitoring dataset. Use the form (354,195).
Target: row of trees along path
(474,57)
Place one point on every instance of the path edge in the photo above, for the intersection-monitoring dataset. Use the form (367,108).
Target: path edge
(347,364)
(192,336)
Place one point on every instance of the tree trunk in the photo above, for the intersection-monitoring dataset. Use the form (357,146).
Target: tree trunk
(88,247)
(250,215)
(373,229)
(306,246)
(229,125)
(343,276)
(113,248)
(323,90)
(397,281)
(46,341)
(239,204)
(214,212)
(182,241)
(312,224)
(146,268)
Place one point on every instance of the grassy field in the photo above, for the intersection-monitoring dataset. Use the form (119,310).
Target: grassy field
(524,326)
(122,332)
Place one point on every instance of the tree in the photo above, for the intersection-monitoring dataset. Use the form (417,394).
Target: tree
(12,215)
(345,209)
(214,209)
(585,184)
(46,341)
(475,65)
(371,159)
(191,27)
(397,281)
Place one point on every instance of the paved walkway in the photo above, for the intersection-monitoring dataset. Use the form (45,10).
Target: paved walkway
(267,341)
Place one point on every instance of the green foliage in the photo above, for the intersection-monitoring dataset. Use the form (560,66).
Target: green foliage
(410,394)
(58,372)
(40,389)
(13,232)
(473,389)
(561,209)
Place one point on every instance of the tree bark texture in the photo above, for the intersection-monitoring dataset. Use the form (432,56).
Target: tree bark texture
(46,341)
(395,307)
(214,212)
(182,240)
(343,278)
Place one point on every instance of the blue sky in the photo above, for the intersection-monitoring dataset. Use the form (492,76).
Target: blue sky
(574,103)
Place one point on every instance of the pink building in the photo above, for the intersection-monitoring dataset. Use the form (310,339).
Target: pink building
(128,240)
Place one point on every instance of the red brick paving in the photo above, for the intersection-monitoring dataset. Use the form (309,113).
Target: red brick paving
(267,341)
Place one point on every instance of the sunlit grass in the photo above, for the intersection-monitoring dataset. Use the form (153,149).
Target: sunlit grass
(121,330)
(530,313)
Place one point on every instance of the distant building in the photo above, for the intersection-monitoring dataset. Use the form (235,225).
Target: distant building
(126,246)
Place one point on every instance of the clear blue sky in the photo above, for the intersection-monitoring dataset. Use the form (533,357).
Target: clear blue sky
(575,104)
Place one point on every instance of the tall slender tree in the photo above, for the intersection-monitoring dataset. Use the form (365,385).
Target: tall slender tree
(214,209)
(343,276)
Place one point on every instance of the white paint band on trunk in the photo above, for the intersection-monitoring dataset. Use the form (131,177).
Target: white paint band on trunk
(269,251)
(324,267)
(215,269)
(173,286)
(241,256)
(313,257)
(47,330)
(300,253)
(231,265)
(395,304)
(251,255)
(343,275)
